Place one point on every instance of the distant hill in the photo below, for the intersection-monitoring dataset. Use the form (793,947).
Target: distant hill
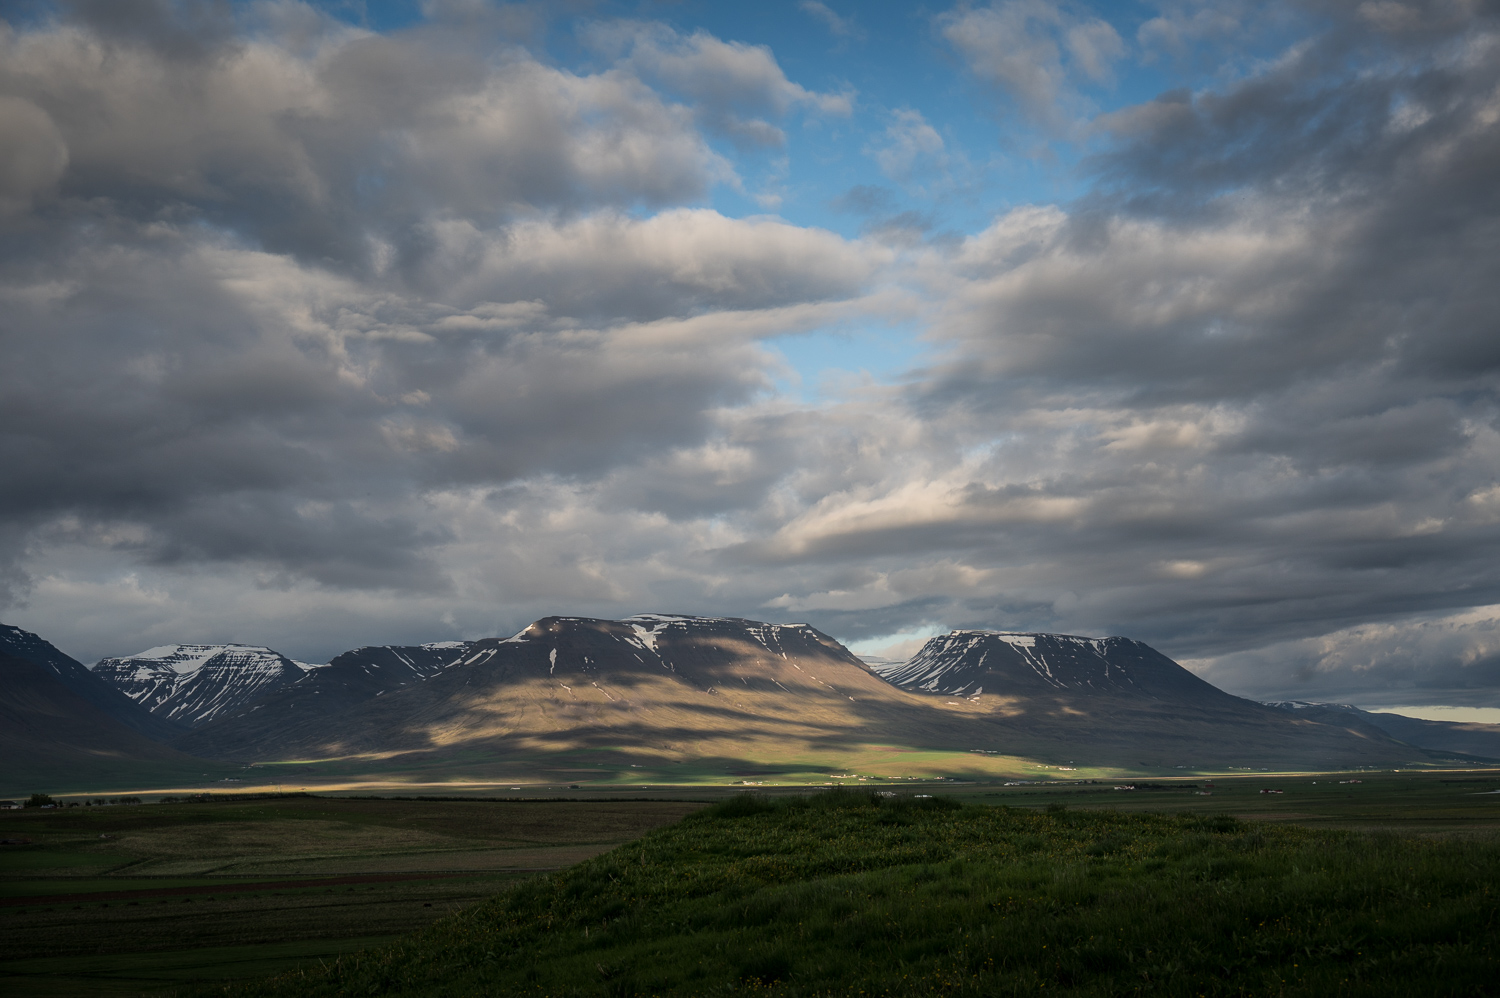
(1465,738)
(193,684)
(670,688)
(85,685)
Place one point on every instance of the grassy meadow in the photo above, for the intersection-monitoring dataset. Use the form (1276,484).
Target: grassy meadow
(852,892)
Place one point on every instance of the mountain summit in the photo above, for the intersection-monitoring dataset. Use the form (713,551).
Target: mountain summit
(1017,663)
(193,684)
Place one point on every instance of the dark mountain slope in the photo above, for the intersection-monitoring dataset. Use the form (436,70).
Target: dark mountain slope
(53,739)
(323,692)
(85,685)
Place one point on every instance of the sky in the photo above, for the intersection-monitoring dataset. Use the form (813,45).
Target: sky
(325,324)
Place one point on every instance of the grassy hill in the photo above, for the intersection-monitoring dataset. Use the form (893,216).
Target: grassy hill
(855,893)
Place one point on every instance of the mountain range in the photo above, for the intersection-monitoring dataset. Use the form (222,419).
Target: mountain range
(658,692)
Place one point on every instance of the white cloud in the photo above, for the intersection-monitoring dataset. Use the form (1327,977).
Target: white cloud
(910,148)
(315,148)
(734,88)
(838,25)
(672,263)
(1183,23)
(1036,52)
(33,156)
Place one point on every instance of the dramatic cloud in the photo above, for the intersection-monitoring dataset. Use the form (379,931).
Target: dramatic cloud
(1450,659)
(263,296)
(320,334)
(340,145)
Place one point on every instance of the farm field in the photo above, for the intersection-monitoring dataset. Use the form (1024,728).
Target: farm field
(132,899)
(1465,803)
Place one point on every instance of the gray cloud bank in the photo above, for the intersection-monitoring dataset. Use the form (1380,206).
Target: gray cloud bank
(318,337)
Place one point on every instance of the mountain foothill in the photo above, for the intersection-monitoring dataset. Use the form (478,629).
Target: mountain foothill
(665,693)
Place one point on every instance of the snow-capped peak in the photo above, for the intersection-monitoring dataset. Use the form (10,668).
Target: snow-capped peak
(187,659)
(195,683)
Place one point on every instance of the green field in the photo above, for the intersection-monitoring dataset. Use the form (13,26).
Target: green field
(1331,886)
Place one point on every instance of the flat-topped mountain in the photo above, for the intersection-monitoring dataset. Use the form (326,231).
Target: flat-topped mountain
(666,688)
(1015,663)
(193,684)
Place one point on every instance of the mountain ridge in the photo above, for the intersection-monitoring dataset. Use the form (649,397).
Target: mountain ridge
(1464,737)
(960,662)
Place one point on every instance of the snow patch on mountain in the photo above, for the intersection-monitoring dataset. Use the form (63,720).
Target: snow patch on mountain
(194,683)
(647,636)
(1310,705)
(956,663)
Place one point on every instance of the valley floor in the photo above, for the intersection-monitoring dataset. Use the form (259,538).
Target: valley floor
(125,900)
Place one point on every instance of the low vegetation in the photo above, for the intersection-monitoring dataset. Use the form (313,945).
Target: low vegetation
(852,892)
(127,900)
